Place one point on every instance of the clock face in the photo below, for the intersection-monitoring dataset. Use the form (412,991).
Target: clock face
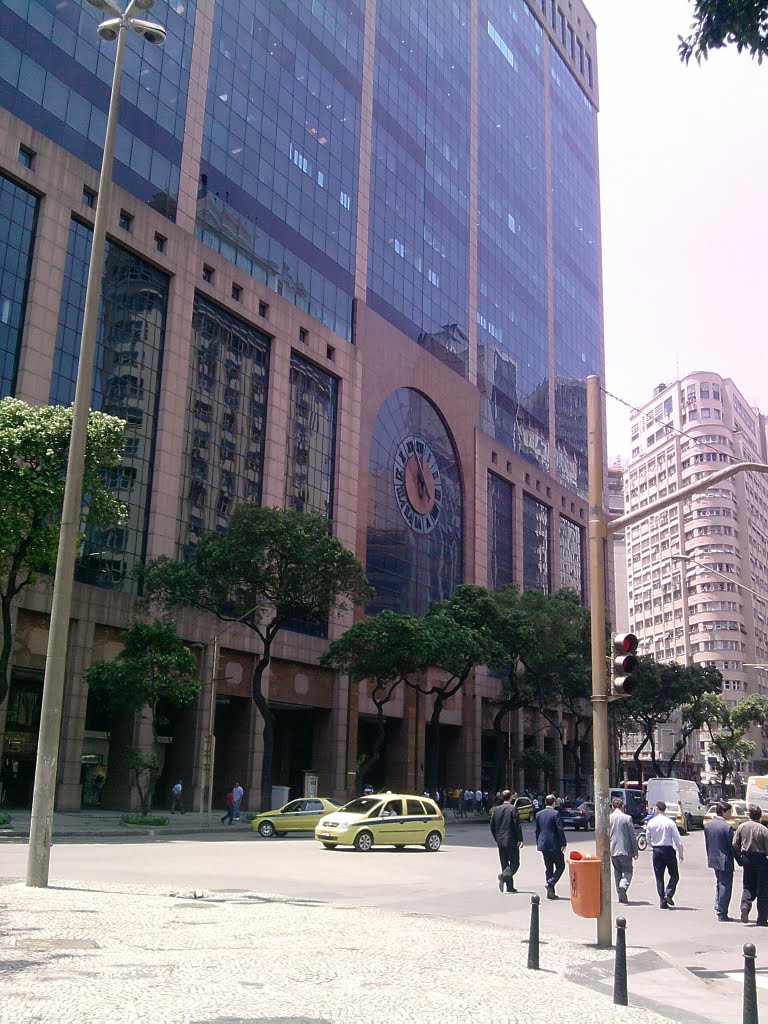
(414,549)
(418,488)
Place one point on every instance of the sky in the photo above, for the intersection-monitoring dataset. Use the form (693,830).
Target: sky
(684,200)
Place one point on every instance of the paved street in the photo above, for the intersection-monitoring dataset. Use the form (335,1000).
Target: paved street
(444,910)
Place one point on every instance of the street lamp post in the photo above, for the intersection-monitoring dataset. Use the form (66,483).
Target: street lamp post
(41,826)
(599,530)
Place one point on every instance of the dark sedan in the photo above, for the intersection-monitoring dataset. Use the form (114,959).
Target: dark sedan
(578,816)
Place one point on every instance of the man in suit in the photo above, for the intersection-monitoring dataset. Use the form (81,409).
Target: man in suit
(506,830)
(623,848)
(551,843)
(718,840)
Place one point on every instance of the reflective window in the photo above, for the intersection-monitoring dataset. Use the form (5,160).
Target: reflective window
(414,552)
(311,440)
(56,74)
(571,556)
(129,356)
(226,420)
(279,187)
(500,532)
(513,373)
(536,558)
(18,218)
(576,257)
(418,268)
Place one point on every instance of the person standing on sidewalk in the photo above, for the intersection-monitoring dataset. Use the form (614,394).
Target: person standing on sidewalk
(508,833)
(230,811)
(623,848)
(664,838)
(551,844)
(237,799)
(750,846)
(176,798)
(718,840)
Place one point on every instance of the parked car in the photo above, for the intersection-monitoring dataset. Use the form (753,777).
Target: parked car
(738,813)
(524,808)
(295,816)
(580,815)
(682,798)
(384,819)
(634,802)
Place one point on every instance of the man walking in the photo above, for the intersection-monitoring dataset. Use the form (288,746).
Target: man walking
(508,833)
(176,798)
(551,844)
(664,838)
(623,848)
(750,845)
(718,840)
(237,798)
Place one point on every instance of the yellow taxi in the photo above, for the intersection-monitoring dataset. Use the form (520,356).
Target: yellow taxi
(738,813)
(524,808)
(384,819)
(295,816)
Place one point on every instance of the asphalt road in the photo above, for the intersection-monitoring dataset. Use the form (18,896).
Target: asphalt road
(458,882)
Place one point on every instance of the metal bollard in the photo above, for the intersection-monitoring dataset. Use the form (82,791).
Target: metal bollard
(620,969)
(750,985)
(533,935)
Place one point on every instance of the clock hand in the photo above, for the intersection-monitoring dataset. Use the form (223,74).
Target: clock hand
(423,488)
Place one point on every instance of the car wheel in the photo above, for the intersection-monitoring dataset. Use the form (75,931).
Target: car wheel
(433,842)
(399,846)
(266,830)
(330,846)
(591,825)
(363,842)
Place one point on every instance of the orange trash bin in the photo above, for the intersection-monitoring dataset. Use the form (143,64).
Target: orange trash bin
(584,878)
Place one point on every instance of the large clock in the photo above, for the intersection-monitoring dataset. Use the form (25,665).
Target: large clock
(414,550)
(418,488)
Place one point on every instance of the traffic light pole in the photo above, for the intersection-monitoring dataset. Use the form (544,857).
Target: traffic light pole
(596,536)
(599,530)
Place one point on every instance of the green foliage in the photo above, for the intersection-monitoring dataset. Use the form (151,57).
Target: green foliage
(719,23)
(143,819)
(662,689)
(270,567)
(728,726)
(34,447)
(534,760)
(144,770)
(153,665)
(5,819)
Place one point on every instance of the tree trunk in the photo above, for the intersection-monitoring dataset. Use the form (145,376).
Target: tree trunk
(7,644)
(499,749)
(434,744)
(636,759)
(261,702)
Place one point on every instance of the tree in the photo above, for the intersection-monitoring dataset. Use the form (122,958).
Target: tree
(457,636)
(661,690)
(696,713)
(34,447)
(718,23)
(385,650)
(534,761)
(728,726)
(154,665)
(270,568)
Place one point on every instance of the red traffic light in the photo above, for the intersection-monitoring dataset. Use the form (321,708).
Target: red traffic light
(625,643)
(625,662)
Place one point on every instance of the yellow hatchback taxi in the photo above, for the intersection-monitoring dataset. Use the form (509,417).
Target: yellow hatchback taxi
(295,816)
(384,819)
(738,813)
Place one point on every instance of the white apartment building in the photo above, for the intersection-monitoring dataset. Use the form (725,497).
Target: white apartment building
(698,611)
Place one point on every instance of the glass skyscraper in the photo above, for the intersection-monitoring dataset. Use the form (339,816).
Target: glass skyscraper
(348,238)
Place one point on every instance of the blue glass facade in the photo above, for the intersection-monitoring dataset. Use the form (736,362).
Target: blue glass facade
(571,556)
(18,217)
(418,269)
(500,530)
(126,383)
(512,230)
(537,569)
(576,253)
(279,188)
(310,453)
(56,74)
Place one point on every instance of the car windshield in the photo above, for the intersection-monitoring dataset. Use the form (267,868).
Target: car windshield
(362,805)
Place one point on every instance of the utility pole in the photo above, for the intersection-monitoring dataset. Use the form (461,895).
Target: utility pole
(599,530)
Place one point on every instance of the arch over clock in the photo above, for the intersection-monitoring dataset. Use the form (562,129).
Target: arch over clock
(414,548)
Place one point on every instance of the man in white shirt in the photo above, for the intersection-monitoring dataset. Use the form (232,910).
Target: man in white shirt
(664,838)
(478,800)
(237,799)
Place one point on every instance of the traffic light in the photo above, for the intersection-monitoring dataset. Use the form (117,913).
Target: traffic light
(625,662)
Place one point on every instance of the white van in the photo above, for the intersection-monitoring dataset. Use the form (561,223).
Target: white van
(757,793)
(682,798)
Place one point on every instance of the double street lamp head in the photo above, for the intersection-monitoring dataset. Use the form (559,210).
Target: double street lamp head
(109,30)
